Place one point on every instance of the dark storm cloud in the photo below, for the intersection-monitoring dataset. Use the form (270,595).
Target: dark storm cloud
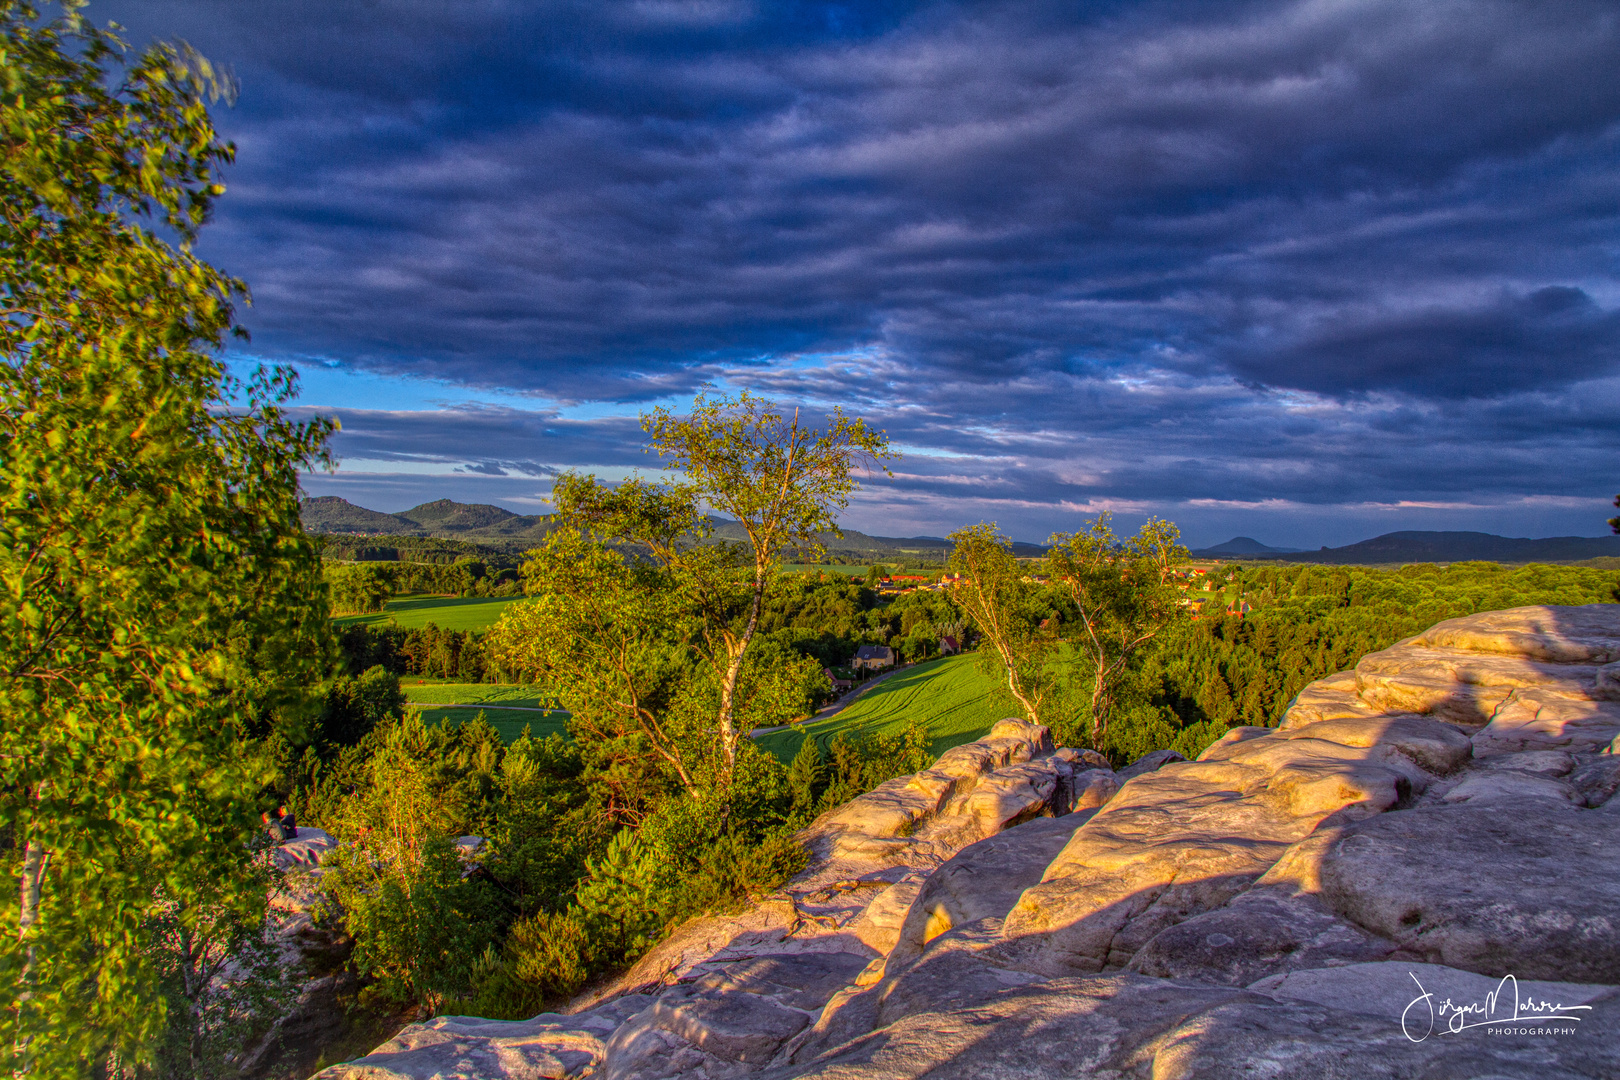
(1316,253)
(595,199)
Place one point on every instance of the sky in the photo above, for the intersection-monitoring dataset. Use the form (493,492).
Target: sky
(1303,271)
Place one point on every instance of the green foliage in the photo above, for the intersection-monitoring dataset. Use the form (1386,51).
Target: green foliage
(159,594)
(1311,621)
(355,705)
(361,587)
(1009,611)
(658,645)
(416,922)
(1124,597)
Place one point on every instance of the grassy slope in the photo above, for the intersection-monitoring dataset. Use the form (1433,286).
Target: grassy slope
(957,701)
(449,612)
(509,722)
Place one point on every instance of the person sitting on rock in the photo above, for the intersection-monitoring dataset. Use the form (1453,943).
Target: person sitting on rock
(273,827)
(288,822)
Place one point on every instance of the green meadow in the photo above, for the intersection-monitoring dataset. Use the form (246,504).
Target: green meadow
(952,697)
(507,708)
(447,612)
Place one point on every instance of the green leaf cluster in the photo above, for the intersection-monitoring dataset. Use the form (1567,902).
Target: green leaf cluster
(157,593)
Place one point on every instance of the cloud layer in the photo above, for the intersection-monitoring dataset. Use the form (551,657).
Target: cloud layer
(1305,256)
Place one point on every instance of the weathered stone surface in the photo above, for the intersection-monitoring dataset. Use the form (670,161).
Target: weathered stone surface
(1562,635)
(1012,795)
(1092,789)
(1546,720)
(1549,762)
(1418,994)
(1526,890)
(1132,1026)
(739,1028)
(548,1047)
(309,849)
(984,880)
(1148,763)
(1597,781)
(1170,845)
(1510,786)
(1436,747)
(1261,932)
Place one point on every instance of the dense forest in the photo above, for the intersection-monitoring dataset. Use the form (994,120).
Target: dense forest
(1311,621)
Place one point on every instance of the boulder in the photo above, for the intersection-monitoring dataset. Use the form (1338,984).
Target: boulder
(549,1047)
(1264,931)
(1148,763)
(308,850)
(1527,889)
(1597,781)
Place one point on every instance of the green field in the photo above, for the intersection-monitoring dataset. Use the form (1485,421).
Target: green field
(830,571)
(953,697)
(448,612)
(502,706)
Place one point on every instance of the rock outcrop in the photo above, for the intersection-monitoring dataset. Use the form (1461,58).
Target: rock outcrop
(1416,873)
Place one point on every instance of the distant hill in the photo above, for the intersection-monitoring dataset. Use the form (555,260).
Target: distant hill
(330,514)
(491,525)
(443,518)
(1450,547)
(1243,545)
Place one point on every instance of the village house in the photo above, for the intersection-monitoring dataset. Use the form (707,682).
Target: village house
(872,658)
(949,646)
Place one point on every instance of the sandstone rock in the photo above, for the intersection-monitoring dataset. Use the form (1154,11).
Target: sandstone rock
(1550,762)
(1418,994)
(1528,890)
(1171,844)
(1222,748)
(309,849)
(1148,763)
(549,1047)
(1092,789)
(1131,1026)
(1082,759)
(1537,719)
(1510,786)
(1597,781)
(1262,932)
(1436,747)
(737,1028)
(1565,635)
(983,880)
(1013,795)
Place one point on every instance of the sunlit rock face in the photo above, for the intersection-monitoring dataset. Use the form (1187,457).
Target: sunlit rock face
(1342,895)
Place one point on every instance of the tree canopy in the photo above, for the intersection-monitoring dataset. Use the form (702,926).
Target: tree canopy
(159,594)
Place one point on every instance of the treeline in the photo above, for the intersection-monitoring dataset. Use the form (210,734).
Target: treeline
(415,549)
(429,651)
(368,586)
(1311,621)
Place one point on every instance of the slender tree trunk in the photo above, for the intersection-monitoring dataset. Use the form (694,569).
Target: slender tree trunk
(1023,701)
(36,860)
(729,737)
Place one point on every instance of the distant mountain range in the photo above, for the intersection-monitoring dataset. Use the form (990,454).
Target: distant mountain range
(485,524)
(504,530)
(1437,547)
